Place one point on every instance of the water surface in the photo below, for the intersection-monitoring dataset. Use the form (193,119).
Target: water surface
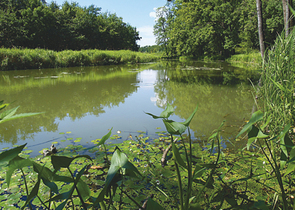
(86,102)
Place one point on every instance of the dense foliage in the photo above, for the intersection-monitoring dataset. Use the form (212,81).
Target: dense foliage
(215,28)
(35,24)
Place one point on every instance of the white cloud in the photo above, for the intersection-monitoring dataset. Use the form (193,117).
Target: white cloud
(153,14)
(148,38)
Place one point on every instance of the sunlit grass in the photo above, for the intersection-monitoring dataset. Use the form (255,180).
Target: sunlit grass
(17,59)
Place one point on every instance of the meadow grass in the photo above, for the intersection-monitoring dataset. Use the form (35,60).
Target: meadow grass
(249,59)
(17,59)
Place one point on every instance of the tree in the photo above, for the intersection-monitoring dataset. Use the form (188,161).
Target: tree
(161,28)
(260,27)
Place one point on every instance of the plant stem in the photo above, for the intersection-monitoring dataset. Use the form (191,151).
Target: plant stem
(26,185)
(279,177)
(75,184)
(179,180)
(134,201)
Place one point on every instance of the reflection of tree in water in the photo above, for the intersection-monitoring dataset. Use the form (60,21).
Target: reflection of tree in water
(74,99)
(216,102)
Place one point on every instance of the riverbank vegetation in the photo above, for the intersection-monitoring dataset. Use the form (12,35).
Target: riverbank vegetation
(36,24)
(215,29)
(18,59)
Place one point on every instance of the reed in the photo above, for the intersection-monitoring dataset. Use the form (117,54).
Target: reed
(277,89)
(17,59)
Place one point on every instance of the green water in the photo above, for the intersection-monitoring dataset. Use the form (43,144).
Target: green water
(85,102)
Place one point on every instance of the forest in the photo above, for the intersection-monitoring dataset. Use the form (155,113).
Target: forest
(37,24)
(216,28)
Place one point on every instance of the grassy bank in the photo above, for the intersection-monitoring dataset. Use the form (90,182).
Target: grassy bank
(252,59)
(17,59)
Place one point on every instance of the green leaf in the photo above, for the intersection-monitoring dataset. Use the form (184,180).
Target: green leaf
(63,161)
(167,112)
(285,142)
(177,156)
(63,196)
(62,205)
(8,113)
(105,137)
(198,172)
(174,128)
(33,193)
(291,162)
(252,135)
(188,120)
(10,154)
(43,171)
(16,163)
(83,189)
(256,116)
(152,205)
(51,185)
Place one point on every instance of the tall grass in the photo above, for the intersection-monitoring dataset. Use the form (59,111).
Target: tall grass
(278,82)
(15,59)
(251,58)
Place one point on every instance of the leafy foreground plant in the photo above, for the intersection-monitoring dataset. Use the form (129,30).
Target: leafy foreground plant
(186,200)
(10,114)
(279,151)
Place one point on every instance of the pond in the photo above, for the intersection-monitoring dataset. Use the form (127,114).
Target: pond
(82,104)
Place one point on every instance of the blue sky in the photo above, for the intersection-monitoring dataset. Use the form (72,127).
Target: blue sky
(138,13)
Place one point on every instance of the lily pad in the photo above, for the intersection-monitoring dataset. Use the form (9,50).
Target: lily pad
(62,140)
(68,132)
(61,133)
(77,140)
(69,138)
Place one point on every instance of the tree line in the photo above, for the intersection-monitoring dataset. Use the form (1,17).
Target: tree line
(216,28)
(36,24)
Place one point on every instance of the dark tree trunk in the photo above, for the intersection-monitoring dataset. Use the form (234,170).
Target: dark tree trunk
(260,27)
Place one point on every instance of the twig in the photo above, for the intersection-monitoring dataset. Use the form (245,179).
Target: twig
(163,159)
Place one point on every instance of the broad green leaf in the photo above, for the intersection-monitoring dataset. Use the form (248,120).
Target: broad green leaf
(33,193)
(198,172)
(256,116)
(20,116)
(10,154)
(167,112)
(16,163)
(83,189)
(153,205)
(62,205)
(154,116)
(188,120)
(2,106)
(291,162)
(63,196)
(174,128)
(43,171)
(82,186)
(63,161)
(8,113)
(51,185)
(252,135)
(105,137)
(177,156)
(59,178)
(285,142)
